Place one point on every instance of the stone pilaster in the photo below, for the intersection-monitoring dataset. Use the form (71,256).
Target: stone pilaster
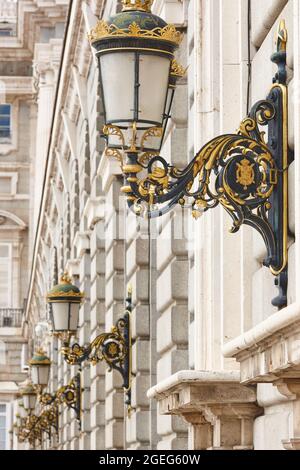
(114,306)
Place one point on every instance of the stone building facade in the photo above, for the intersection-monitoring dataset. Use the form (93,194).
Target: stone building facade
(30,35)
(214,364)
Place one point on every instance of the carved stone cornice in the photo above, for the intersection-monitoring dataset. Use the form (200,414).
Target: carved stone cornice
(271,350)
(108,168)
(270,353)
(72,267)
(16,86)
(212,402)
(94,210)
(82,243)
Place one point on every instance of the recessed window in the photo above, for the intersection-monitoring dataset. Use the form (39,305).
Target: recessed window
(5,121)
(3,427)
(6,32)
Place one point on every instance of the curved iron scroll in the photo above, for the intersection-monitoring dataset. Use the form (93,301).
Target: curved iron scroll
(31,427)
(242,172)
(113,347)
(69,394)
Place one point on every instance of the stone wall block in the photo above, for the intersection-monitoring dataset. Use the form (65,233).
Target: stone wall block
(171,362)
(114,405)
(140,321)
(140,386)
(140,356)
(174,323)
(98,415)
(114,435)
(263,291)
(98,389)
(175,281)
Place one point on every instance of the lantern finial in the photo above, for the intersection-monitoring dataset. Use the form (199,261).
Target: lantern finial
(65,278)
(141,5)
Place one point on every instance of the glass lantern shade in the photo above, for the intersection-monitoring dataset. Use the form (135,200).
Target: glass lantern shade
(28,394)
(40,368)
(135,50)
(29,401)
(65,299)
(134,88)
(65,316)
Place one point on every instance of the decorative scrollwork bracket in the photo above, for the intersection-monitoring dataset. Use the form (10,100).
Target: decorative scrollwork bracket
(69,394)
(244,173)
(32,427)
(114,348)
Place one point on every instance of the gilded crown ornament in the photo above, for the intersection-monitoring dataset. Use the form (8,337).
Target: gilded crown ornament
(104,30)
(141,5)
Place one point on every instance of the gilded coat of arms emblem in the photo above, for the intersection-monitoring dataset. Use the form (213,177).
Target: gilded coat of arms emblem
(245,173)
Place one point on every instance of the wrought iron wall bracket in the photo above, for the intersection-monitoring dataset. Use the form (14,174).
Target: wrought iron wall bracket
(114,348)
(32,427)
(69,395)
(242,172)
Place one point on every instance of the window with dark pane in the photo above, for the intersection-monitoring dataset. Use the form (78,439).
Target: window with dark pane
(5,120)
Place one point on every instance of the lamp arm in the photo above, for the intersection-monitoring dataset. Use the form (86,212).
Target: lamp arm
(113,347)
(242,172)
(109,347)
(32,427)
(205,179)
(69,394)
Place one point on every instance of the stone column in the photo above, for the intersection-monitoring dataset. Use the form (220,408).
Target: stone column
(44,83)
(201,431)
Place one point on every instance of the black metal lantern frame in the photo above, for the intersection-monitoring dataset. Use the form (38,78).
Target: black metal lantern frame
(243,172)
(113,347)
(69,395)
(142,36)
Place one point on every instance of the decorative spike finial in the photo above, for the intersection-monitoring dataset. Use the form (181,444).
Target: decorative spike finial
(282,37)
(65,278)
(141,5)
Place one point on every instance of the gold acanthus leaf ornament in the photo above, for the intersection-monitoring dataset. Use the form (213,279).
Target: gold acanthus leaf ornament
(141,5)
(104,30)
(177,69)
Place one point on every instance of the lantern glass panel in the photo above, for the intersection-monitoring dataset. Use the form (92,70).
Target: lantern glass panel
(154,72)
(29,401)
(118,80)
(40,374)
(65,316)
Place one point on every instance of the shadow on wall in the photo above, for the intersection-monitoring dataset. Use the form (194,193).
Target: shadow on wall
(2,353)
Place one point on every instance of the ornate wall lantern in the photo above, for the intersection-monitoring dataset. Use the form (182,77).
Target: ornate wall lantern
(65,299)
(40,368)
(242,172)
(114,347)
(135,50)
(32,427)
(28,393)
(69,394)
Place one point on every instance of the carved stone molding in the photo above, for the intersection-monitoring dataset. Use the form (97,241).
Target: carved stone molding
(108,168)
(270,353)
(219,409)
(72,267)
(94,211)
(271,350)
(82,243)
